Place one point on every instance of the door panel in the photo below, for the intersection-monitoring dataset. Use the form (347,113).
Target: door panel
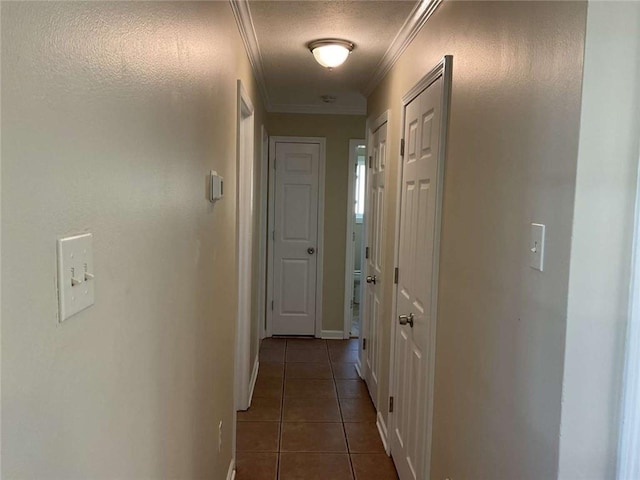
(295,219)
(295,238)
(294,286)
(376,197)
(415,282)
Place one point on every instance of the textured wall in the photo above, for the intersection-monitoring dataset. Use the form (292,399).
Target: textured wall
(112,115)
(338,130)
(512,150)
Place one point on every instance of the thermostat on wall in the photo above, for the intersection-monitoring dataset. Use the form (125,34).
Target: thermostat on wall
(216,187)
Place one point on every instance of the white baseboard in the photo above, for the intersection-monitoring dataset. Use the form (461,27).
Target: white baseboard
(359,370)
(231,473)
(254,377)
(332,334)
(382,430)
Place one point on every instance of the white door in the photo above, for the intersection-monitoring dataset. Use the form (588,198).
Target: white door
(297,171)
(416,282)
(374,253)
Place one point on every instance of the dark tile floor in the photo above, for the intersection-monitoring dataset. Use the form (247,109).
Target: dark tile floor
(311,417)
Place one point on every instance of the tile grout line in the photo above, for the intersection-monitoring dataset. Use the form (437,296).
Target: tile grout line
(344,430)
(281,425)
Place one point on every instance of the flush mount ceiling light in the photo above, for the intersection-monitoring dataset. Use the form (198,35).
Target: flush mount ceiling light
(330,53)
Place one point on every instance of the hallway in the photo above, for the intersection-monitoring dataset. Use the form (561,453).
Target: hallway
(311,417)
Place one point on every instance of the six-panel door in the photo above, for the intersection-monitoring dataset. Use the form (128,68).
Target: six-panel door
(295,238)
(415,282)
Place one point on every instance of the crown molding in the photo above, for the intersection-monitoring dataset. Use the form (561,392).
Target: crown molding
(247,31)
(318,109)
(415,21)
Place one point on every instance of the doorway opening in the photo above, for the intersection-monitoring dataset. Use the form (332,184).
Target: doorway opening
(354,258)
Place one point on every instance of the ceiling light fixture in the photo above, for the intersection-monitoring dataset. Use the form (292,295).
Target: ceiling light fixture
(330,53)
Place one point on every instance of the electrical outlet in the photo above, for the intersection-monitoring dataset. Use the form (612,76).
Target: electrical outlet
(220,436)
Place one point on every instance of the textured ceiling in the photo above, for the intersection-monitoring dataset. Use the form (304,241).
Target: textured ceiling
(293,79)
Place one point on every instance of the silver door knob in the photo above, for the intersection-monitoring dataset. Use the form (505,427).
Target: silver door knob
(311,250)
(406,320)
(371,279)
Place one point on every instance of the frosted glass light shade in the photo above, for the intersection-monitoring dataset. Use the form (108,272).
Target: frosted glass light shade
(331,53)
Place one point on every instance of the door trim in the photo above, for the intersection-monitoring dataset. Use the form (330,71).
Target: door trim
(321,141)
(244,226)
(349,245)
(629,436)
(264,207)
(373,124)
(442,69)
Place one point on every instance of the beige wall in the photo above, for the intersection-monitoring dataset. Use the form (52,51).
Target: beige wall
(602,240)
(113,113)
(338,130)
(511,160)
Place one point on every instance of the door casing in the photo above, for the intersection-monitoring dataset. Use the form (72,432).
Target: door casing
(442,69)
(321,141)
(349,245)
(245,159)
(263,206)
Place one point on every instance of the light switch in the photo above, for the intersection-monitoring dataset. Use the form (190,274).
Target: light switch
(536,246)
(216,187)
(76,290)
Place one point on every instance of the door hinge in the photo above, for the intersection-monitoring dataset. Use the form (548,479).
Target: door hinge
(395,275)
(390,404)
(364,343)
(353,236)
(271,304)
(366,252)
(273,235)
(370,161)
(402,147)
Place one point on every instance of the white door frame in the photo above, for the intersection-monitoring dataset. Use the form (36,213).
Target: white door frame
(321,141)
(244,226)
(373,124)
(628,457)
(262,249)
(349,245)
(442,69)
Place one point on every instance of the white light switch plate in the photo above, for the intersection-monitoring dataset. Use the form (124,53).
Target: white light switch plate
(536,246)
(76,290)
